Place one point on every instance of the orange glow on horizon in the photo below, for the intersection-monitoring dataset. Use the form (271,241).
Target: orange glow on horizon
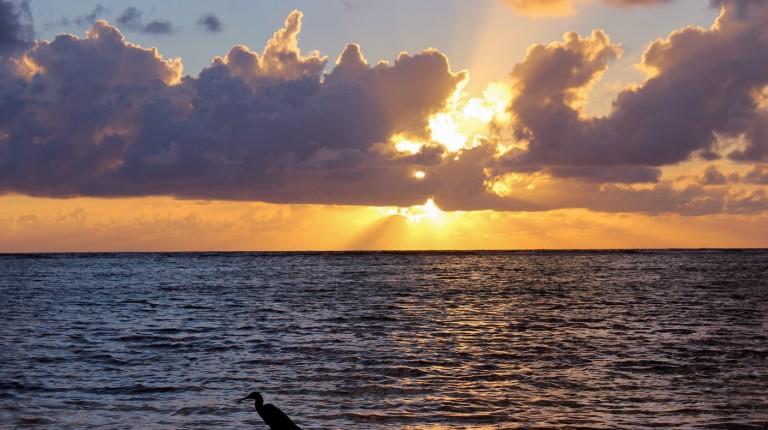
(30,224)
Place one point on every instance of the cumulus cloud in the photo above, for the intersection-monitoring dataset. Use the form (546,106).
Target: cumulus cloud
(105,117)
(210,23)
(704,86)
(131,19)
(99,116)
(76,117)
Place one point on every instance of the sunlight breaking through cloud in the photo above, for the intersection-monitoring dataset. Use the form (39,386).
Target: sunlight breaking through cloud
(420,213)
(463,121)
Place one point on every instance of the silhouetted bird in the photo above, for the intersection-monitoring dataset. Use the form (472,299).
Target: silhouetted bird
(271,414)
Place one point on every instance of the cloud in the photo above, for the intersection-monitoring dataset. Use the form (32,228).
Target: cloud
(112,118)
(210,23)
(158,27)
(636,2)
(542,7)
(713,176)
(16,32)
(567,7)
(131,19)
(90,18)
(99,116)
(80,107)
(673,116)
(86,19)
(758,175)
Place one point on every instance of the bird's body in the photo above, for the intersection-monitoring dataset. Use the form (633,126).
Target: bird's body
(271,414)
(275,418)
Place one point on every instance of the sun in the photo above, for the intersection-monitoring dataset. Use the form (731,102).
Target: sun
(429,211)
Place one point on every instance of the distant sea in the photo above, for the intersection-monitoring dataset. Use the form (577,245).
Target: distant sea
(380,340)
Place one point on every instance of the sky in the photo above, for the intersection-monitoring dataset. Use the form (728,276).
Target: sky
(188,125)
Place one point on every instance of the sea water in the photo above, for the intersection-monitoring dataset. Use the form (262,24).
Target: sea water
(443,340)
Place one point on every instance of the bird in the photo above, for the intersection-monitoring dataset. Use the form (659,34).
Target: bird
(271,414)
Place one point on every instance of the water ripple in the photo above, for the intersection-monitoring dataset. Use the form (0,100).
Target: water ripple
(489,340)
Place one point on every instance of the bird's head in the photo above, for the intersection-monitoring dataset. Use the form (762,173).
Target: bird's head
(253,396)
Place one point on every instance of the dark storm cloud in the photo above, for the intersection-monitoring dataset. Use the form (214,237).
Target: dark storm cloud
(704,86)
(210,23)
(131,19)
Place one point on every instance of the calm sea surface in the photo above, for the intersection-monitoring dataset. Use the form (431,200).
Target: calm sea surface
(386,340)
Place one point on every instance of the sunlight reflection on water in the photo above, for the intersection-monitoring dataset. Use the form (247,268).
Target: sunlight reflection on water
(386,340)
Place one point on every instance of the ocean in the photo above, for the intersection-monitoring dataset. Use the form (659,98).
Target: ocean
(386,340)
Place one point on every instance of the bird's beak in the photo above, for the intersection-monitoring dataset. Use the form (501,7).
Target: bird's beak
(244,398)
